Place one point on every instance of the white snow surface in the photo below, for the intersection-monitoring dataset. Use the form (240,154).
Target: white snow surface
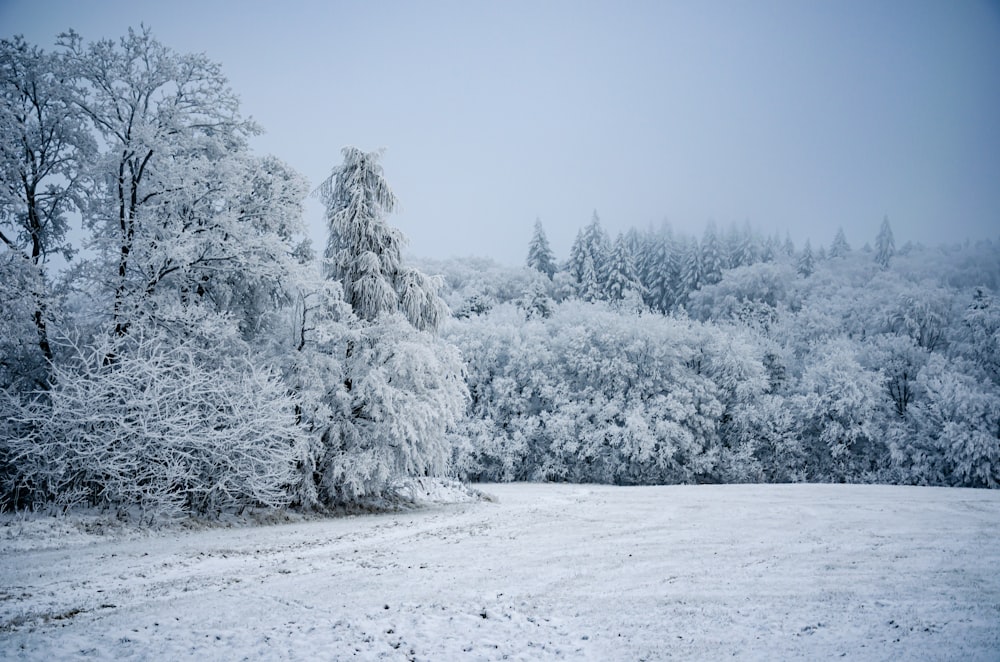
(542,572)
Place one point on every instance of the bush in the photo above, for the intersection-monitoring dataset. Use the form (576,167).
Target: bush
(142,422)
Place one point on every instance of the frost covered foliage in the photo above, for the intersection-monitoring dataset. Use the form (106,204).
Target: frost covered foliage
(403,394)
(380,393)
(160,428)
(595,394)
(363,252)
(860,368)
(379,401)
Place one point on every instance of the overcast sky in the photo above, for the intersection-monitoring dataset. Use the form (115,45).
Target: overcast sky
(797,115)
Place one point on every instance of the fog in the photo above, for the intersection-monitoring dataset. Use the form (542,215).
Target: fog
(797,117)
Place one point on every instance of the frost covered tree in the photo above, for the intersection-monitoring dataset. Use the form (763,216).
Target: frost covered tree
(839,247)
(587,264)
(540,256)
(885,245)
(170,127)
(788,246)
(660,274)
(712,258)
(978,335)
(807,261)
(744,249)
(691,269)
(364,253)
(44,146)
(957,436)
(839,407)
(391,392)
(621,277)
(165,427)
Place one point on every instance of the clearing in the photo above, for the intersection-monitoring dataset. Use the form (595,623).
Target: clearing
(543,572)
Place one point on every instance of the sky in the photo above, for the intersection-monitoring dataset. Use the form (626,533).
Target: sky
(797,116)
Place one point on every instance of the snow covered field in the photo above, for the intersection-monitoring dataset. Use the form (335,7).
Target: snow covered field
(544,572)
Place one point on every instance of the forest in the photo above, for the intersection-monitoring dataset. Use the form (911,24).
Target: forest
(171,344)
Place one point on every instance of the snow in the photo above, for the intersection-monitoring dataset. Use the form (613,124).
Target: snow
(539,572)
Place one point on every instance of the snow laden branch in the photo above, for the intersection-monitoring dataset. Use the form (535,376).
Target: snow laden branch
(162,429)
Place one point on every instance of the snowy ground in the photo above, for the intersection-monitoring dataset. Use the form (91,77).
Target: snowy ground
(545,572)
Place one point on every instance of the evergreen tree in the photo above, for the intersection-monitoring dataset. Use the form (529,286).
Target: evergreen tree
(788,247)
(885,245)
(840,247)
(622,276)
(540,257)
(574,263)
(712,259)
(746,251)
(591,287)
(661,276)
(769,250)
(691,275)
(590,246)
(807,262)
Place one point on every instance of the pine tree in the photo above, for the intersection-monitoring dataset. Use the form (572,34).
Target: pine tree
(540,256)
(591,287)
(574,263)
(885,246)
(661,276)
(622,276)
(788,247)
(691,277)
(770,249)
(712,262)
(746,252)
(807,262)
(590,246)
(840,247)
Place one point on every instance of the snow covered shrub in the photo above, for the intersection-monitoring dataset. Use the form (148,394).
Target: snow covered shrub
(957,437)
(592,393)
(838,408)
(160,426)
(751,294)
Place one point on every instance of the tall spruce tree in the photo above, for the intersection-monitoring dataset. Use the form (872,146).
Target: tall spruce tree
(540,256)
(885,245)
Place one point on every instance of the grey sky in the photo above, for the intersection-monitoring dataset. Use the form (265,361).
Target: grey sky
(797,115)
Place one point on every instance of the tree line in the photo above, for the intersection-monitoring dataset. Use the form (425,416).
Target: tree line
(195,355)
(661,358)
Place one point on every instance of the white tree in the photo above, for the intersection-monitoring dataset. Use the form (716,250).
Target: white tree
(393,392)
(172,135)
(587,262)
(712,258)
(840,247)
(622,277)
(885,245)
(540,257)
(43,148)
(364,252)
(957,441)
(807,261)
